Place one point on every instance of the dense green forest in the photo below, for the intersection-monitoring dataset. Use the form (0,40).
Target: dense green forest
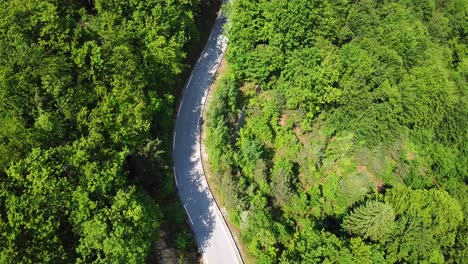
(87,94)
(354,146)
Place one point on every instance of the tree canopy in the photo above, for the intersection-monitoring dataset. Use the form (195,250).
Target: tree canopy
(354,144)
(86,100)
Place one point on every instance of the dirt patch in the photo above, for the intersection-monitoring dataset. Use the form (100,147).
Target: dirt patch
(361,168)
(221,69)
(301,137)
(411,155)
(377,181)
(165,254)
(284,120)
(249,89)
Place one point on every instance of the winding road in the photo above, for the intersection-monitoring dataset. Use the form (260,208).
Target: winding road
(211,232)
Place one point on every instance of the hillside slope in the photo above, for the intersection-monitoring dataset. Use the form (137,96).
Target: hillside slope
(354,149)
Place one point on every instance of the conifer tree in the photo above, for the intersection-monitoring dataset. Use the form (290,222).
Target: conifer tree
(374,220)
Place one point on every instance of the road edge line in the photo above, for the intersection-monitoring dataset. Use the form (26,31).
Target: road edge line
(202,112)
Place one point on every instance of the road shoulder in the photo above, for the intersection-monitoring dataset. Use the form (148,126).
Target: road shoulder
(215,190)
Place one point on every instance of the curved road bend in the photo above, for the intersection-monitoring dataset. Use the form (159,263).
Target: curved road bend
(211,232)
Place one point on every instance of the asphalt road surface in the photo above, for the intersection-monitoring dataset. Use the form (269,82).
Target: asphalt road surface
(211,232)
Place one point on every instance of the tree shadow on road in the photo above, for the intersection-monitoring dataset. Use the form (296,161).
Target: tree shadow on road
(193,188)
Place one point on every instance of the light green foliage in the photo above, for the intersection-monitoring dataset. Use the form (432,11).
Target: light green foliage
(354,187)
(308,78)
(260,236)
(107,234)
(86,98)
(361,122)
(427,223)
(221,122)
(311,246)
(374,220)
(331,199)
(36,211)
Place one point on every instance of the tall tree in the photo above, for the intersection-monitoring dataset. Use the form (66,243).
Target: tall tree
(374,220)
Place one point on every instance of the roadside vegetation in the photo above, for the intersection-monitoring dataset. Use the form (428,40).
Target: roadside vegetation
(87,96)
(354,145)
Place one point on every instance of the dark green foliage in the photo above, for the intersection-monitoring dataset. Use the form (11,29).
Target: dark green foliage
(86,97)
(356,145)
